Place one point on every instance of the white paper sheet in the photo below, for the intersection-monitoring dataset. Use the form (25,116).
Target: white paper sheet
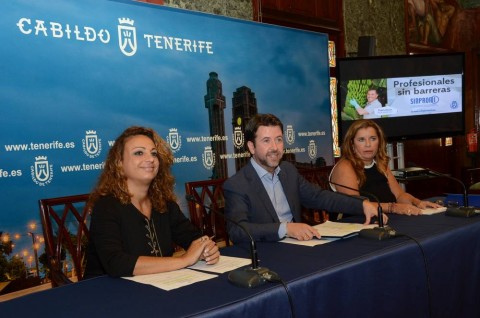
(338,229)
(225,264)
(430,211)
(313,242)
(173,279)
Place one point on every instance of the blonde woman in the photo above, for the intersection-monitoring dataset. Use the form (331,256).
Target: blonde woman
(364,166)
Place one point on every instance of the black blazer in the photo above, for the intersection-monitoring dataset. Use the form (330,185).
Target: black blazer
(247,202)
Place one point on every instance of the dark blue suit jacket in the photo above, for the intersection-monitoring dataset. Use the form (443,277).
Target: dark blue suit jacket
(247,202)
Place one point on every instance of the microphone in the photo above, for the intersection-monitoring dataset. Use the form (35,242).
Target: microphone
(249,277)
(439,174)
(463,211)
(380,232)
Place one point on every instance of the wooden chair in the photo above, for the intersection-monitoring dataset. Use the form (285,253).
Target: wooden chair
(210,194)
(65,222)
(320,177)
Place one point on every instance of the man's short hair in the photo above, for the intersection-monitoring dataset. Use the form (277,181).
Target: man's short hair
(260,120)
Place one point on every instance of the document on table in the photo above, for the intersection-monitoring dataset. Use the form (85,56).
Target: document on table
(430,211)
(331,229)
(225,264)
(313,242)
(173,279)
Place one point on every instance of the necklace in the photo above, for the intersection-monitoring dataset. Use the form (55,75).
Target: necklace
(153,237)
(370,165)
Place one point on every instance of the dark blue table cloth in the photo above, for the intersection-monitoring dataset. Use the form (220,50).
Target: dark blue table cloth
(354,277)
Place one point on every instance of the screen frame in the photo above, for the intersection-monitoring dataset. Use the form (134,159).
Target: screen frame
(392,66)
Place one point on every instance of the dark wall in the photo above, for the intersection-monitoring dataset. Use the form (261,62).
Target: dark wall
(383,19)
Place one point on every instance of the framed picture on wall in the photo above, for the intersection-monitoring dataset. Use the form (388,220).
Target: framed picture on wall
(441,25)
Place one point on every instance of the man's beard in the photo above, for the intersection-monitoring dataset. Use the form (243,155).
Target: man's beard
(271,165)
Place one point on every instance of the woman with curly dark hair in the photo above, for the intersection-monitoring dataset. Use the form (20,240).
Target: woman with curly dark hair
(364,166)
(135,218)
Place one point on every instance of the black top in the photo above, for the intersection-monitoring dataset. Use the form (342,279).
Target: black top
(119,234)
(377,184)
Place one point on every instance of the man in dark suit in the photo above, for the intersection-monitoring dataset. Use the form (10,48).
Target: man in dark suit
(266,195)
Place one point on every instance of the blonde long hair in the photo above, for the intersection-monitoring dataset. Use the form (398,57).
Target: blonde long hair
(113,182)
(348,149)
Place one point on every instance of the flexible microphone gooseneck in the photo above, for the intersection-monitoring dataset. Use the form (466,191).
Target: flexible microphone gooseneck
(247,277)
(464,211)
(380,232)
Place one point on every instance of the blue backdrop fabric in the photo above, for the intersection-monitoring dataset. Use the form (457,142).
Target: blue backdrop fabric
(75,74)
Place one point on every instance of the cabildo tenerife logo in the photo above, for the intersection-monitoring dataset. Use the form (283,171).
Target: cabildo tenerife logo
(92,145)
(127,37)
(174,140)
(126,31)
(312,149)
(41,171)
(290,135)
(208,158)
(238,137)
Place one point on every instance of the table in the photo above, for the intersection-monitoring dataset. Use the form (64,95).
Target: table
(354,277)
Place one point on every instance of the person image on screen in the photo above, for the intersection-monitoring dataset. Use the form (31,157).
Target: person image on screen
(135,218)
(266,195)
(372,103)
(364,166)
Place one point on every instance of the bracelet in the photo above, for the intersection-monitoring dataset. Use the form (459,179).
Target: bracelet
(391,206)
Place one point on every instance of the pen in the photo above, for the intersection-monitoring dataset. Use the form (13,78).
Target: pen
(204,239)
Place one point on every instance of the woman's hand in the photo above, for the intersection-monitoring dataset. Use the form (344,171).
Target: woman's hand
(427,204)
(211,254)
(406,208)
(202,249)
(195,250)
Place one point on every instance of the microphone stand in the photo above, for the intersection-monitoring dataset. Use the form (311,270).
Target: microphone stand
(249,277)
(380,232)
(464,211)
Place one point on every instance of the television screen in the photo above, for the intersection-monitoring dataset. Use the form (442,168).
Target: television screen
(409,96)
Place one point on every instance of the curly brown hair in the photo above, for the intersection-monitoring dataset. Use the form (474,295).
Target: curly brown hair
(348,152)
(113,182)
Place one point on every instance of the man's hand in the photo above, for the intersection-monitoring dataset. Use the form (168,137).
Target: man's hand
(354,103)
(301,231)
(370,210)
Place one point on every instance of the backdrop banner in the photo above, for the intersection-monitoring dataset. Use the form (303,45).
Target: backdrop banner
(75,74)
